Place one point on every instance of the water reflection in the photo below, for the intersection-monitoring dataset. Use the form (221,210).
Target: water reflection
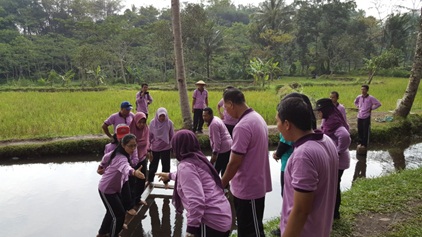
(360,168)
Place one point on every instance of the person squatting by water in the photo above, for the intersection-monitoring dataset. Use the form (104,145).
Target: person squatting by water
(248,170)
(198,189)
(336,127)
(121,131)
(365,103)
(310,176)
(111,183)
(161,131)
(199,102)
(220,140)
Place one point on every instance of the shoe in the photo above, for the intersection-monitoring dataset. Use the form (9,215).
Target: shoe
(276,232)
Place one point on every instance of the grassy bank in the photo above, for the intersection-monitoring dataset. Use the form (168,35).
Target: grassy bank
(384,206)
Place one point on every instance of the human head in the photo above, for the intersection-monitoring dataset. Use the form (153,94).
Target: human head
(200,84)
(128,143)
(324,107)
(308,102)
(140,120)
(125,108)
(233,99)
(184,142)
(207,114)
(161,115)
(294,111)
(364,89)
(144,87)
(334,97)
(121,131)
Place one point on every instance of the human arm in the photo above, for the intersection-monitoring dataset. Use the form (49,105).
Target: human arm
(206,100)
(150,99)
(105,129)
(343,139)
(281,149)
(166,176)
(375,103)
(232,167)
(302,207)
(193,100)
(219,106)
(357,102)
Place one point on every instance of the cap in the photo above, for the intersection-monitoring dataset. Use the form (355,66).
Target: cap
(322,103)
(122,130)
(201,82)
(126,105)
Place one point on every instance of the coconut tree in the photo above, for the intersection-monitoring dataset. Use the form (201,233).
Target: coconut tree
(180,65)
(403,108)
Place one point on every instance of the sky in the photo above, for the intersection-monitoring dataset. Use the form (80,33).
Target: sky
(384,7)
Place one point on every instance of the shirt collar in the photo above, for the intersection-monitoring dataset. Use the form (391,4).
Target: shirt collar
(317,135)
(245,113)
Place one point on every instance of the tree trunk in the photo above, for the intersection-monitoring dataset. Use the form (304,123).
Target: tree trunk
(403,109)
(180,65)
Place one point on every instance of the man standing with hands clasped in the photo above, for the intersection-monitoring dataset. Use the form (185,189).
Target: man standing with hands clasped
(248,170)
(143,99)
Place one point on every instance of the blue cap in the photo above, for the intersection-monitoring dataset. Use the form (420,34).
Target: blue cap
(126,105)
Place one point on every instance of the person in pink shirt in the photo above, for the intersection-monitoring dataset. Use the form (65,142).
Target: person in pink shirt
(248,170)
(140,129)
(228,120)
(334,96)
(338,130)
(124,116)
(143,100)
(198,189)
(365,104)
(161,131)
(310,175)
(220,140)
(199,102)
(111,183)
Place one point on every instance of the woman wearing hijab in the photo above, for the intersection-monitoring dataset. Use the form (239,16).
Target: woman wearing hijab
(140,129)
(198,189)
(161,132)
(111,184)
(338,130)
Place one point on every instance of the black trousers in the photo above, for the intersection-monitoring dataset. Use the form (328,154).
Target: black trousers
(282,182)
(126,194)
(198,121)
(137,186)
(338,197)
(221,163)
(115,216)
(249,215)
(165,163)
(364,128)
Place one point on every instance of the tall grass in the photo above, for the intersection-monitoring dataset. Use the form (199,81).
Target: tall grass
(26,115)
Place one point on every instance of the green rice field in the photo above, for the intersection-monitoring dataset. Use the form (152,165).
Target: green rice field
(28,115)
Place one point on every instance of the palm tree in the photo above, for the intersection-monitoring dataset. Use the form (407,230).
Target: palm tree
(180,65)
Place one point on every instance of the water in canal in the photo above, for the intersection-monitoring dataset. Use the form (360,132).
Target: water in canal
(59,196)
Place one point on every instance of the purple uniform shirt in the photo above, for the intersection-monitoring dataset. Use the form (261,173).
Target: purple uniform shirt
(134,160)
(312,167)
(142,102)
(116,119)
(250,139)
(220,139)
(158,144)
(227,119)
(200,99)
(342,140)
(115,174)
(366,105)
(342,110)
(202,198)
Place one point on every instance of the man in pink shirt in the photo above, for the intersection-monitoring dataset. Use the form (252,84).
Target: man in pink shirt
(228,120)
(143,100)
(310,175)
(199,102)
(248,170)
(334,98)
(220,140)
(124,116)
(365,104)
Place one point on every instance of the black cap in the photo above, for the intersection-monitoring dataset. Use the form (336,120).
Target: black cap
(322,103)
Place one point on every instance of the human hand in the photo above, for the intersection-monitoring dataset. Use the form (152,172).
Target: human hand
(138,173)
(275,157)
(100,170)
(163,177)
(149,156)
(213,159)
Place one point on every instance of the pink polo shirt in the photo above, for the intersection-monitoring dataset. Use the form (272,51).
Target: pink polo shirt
(250,139)
(134,160)
(342,140)
(115,175)
(203,200)
(220,139)
(116,119)
(312,167)
(342,110)
(200,99)
(142,102)
(366,105)
(157,144)
(227,119)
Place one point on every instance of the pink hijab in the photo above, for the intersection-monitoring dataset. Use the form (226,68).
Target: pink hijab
(161,130)
(142,135)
